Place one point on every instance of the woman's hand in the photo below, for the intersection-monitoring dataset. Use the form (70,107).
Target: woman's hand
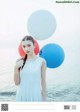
(19,63)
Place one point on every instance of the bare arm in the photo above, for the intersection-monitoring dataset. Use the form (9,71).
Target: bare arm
(16,76)
(43,80)
(19,64)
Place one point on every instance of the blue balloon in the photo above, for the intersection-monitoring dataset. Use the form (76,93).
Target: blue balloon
(53,54)
(41,24)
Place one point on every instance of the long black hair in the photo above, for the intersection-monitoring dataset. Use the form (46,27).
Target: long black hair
(30,38)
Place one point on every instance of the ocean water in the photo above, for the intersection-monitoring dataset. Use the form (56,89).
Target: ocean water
(63,83)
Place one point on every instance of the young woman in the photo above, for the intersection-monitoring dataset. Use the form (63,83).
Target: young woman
(30,74)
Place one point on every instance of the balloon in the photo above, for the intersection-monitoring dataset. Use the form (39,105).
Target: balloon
(36,49)
(20,50)
(22,53)
(53,54)
(41,24)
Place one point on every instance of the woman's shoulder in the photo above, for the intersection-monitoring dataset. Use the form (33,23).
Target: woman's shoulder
(43,62)
(42,59)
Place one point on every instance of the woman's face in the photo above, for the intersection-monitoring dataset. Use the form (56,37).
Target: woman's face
(28,46)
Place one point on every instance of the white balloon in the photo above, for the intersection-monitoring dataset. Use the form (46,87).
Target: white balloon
(41,24)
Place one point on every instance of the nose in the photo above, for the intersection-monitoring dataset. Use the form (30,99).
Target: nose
(27,49)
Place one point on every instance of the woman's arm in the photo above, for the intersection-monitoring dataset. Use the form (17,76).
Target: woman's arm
(43,80)
(19,64)
(16,75)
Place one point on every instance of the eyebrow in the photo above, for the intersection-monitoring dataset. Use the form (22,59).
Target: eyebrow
(26,44)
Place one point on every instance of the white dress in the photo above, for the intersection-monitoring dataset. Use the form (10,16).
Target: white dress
(29,89)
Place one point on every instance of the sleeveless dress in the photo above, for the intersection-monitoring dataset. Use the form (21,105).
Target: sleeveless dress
(29,89)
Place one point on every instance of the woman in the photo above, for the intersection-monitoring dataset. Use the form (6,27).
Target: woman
(30,74)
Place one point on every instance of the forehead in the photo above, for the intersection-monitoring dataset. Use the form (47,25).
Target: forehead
(26,42)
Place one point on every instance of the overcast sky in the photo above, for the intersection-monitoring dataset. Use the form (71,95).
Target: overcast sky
(15,13)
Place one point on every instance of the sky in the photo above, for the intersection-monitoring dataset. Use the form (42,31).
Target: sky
(13,20)
(14,16)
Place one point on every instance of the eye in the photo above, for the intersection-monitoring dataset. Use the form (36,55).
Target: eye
(24,46)
(28,45)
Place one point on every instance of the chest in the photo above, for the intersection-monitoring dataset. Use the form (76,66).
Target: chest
(31,69)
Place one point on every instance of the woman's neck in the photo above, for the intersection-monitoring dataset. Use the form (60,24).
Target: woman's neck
(30,56)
